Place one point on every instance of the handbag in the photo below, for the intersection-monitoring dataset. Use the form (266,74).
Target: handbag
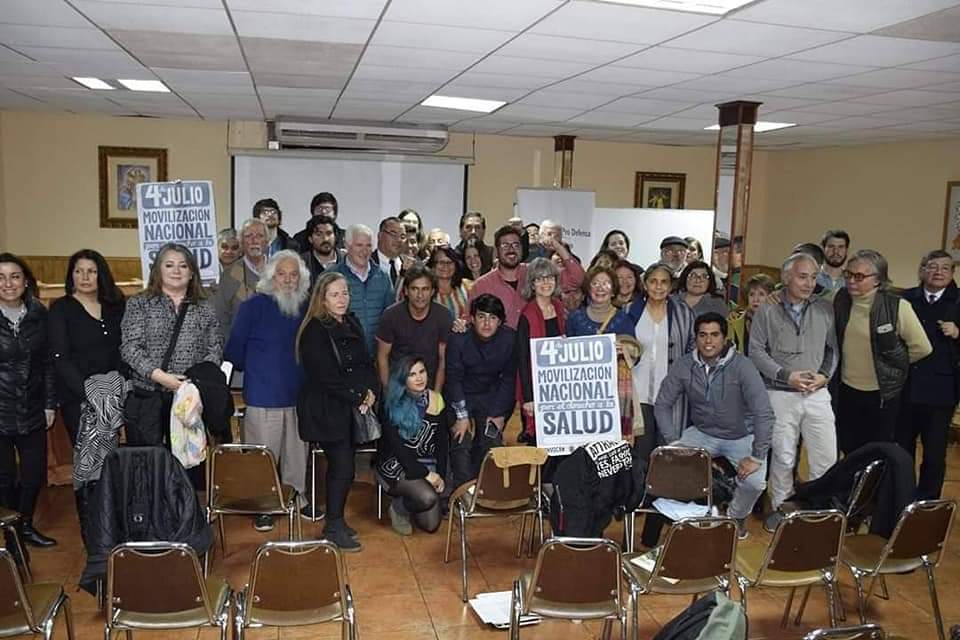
(366,426)
(143,408)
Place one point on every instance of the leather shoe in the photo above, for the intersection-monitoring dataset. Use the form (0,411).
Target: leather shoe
(34,538)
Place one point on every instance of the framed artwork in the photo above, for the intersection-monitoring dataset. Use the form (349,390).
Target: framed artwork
(659,190)
(121,170)
(951,220)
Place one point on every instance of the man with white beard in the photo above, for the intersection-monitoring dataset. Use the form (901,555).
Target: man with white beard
(261,345)
(238,281)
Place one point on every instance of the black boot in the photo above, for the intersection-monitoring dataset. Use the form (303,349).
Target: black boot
(336,532)
(33,537)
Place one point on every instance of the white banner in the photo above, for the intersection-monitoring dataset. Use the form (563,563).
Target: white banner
(181,212)
(575,397)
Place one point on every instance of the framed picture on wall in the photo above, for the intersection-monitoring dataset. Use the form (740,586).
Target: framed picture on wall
(659,190)
(121,170)
(951,220)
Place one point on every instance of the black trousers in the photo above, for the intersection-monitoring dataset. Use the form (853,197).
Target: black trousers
(71,419)
(932,425)
(340,457)
(643,446)
(863,417)
(467,455)
(20,486)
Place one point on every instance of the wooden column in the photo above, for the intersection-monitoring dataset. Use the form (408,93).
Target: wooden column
(563,161)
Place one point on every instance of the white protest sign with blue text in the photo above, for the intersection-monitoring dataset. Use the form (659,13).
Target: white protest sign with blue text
(181,212)
(575,391)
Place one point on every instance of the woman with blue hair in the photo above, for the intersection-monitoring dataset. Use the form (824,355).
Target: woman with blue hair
(416,427)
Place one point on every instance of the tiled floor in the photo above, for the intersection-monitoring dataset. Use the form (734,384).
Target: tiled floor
(403,590)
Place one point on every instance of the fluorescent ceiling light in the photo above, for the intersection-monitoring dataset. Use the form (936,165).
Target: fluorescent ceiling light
(145,85)
(760,127)
(463,104)
(94,83)
(715,7)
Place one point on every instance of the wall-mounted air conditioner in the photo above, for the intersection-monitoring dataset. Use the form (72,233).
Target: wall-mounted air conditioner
(315,133)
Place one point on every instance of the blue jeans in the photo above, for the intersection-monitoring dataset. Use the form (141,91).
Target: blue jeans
(748,489)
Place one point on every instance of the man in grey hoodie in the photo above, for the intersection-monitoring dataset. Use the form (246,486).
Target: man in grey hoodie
(730,412)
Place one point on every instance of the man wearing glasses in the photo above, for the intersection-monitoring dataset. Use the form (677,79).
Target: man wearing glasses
(879,336)
(391,241)
(322,204)
(793,343)
(931,392)
(673,252)
(277,239)
(504,281)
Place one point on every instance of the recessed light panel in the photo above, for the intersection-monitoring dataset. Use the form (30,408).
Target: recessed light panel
(760,127)
(145,85)
(714,7)
(94,83)
(463,104)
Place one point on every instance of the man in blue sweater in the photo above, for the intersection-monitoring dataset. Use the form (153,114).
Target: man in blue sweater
(261,344)
(480,385)
(370,289)
(725,395)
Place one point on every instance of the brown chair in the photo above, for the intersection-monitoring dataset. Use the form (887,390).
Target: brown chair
(244,481)
(29,608)
(160,585)
(573,579)
(861,632)
(296,584)
(508,484)
(315,453)
(678,473)
(916,542)
(9,520)
(698,556)
(804,551)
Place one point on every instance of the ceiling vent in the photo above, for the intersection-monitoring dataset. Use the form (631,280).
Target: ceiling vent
(315,133)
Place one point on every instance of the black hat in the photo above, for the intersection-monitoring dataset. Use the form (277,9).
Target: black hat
(674,240)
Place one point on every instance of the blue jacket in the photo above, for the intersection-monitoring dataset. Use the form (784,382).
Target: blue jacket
(481,374)
(368,300)
(261,345)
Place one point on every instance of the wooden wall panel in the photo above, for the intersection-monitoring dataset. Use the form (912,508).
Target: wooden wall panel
(52,269)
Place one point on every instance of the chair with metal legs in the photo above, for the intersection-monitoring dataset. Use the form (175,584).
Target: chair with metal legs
(29,608)
(9,520)
(916,543)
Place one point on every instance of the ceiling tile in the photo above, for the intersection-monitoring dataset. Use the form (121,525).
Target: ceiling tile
(798,70)
(639,77)
(859,16)
(47,82)
(151,17)
(671,59)
(286,26)
(334,8)
(183,50)
(401,34)
(751,38)
(311,109)
(611,89)
(619,22)
(927,126)
(907,98)
(218,101)
(943,25)
(507,80)
(608,119)
(461,90)
(879,51)
(900,79)
(18,67)
(860,122)
(362,109)
(770,103)
(373,72)
(677,124)
(11,55)
(17,36)
(843,108)
(729,83)
(553,98)
(533,45)
(384,89)
(507,15)
(644,106)
(532,113)
(499,64)
(705,111)
(195,77)
(308,58)
(282,93)
(538,130)
(198,4)
(818,91)
(81,56)
(483,125)
(53,13)
(390,56)
(304,82)
(684,94)
(426,115)
(798,117)
(946,63)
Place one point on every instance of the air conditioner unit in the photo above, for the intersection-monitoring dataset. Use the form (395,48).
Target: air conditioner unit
(316,133)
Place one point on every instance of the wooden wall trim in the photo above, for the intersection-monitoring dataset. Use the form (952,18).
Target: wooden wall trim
(53,269)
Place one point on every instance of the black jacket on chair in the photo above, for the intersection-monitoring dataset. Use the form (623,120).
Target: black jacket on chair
(332,386)
(26,372)
(143,494)
(896,490)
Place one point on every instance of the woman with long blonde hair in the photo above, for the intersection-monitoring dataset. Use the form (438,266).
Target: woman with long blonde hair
(338,378)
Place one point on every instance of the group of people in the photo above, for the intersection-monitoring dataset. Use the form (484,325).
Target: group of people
(434,338)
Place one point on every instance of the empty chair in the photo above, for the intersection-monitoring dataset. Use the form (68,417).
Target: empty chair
(804,551)
(244,481)
(697,556)
(508,484)
(917,542)
(296,584)
(139,598)
(9,519)
(678,473)
(29,608)
(574,579)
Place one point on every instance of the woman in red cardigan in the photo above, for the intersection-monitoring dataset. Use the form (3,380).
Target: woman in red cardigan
(544,316)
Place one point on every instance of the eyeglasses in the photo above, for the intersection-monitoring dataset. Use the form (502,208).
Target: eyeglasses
(601,285)
(942,268)
(698,277)
(399,235)
(324,208)
(857,277)
(509,245)
(444,263)
(544,279)
(269,212)
(675,250)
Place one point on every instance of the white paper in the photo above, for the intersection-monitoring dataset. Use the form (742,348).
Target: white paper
(648,561)
(677,510)
(494,608)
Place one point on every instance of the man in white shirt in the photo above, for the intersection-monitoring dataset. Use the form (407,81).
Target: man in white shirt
(391,239)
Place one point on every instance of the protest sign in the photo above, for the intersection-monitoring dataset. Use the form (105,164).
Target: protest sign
(575,397)
(181,212)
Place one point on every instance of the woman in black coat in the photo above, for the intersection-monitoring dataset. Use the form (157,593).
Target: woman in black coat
(84,331)
(338,378)
(26,394)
